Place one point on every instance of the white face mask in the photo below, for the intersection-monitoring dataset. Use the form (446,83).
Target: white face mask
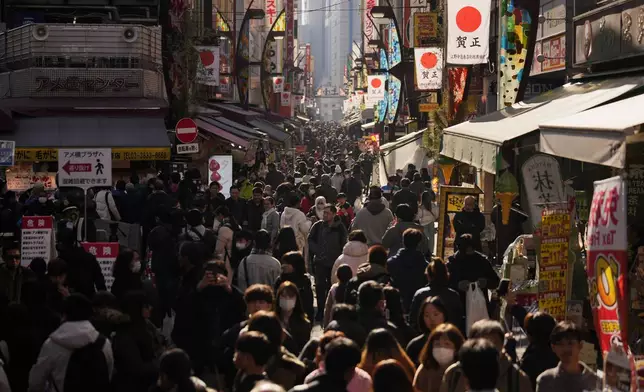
(311,192)
(287,304)
(242,245)
(444,356)
(136,267)
(42,200)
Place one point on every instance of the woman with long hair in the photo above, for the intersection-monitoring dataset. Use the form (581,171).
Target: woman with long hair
(127,273)
(389,375)
(427,215)
(380,346)
(294,270)
(437,355)
(432,314)
(285,242)
(337,292)
(288,307)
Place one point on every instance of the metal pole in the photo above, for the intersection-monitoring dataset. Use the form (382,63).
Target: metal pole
(85,215)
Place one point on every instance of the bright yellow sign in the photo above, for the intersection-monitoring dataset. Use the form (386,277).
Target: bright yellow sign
(46,154)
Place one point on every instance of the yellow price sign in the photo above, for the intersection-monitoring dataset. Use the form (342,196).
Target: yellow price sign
(554,253)
(555,224)
(455,202)
(552,280)
(553,303)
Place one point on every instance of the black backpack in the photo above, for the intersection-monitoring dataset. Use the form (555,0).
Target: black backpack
(87,369)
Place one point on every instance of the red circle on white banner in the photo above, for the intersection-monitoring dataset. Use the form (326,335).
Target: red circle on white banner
(376,82)
(468,19)
(207,58)
(428,60)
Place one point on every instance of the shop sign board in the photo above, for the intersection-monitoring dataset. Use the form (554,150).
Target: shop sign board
(425,29)
(85,167)
(208,66)
(189,148)
(186,130)
(220,169)
(607,262)
(7,153)
(105,253)
(451,202)
(543,184)
(20,180)
(36,238)
(553,262)
(554,52)
(49,154)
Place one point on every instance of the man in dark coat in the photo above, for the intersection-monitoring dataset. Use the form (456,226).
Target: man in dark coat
(326,190)
(255,208)
(405,196)
(470,221)
(407,267)
(274,177)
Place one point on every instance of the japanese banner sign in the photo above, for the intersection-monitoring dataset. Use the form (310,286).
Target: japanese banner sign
(543,184)
(606,262)
(208,67)
(425,28)
(286,98)
(368,28)
(105,253)
(376,89)
(289,43)
(429,68)
(468,31)
(553,262)
(85,167)
(271,12)
(36,238)
(278,84)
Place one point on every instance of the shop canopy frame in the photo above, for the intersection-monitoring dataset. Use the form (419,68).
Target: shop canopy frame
(598,135)
(477,142)
(274,132)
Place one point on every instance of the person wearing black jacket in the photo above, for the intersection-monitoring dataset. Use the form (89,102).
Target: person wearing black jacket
(274,177)
(470,221)
(127,273)
(405,196)
(255,208)
(84,274)
(407,267)
(352,185)
(538,356)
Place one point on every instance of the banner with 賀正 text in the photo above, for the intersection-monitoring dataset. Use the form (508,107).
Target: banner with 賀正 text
(468,31)
(429,68)
(607,262)
(553,262)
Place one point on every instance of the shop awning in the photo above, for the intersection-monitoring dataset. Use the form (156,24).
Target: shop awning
(208,125)
(368,126)
(477,142)
(400,153)
(303,119)
(273,131)
(597,135)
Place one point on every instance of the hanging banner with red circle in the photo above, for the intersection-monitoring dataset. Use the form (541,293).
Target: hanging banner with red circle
(286,98)
(278,84)
(429,68)
(208,66)
(376,89)
(468,32)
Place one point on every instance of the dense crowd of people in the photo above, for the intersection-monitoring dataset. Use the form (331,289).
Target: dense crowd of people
(225,293)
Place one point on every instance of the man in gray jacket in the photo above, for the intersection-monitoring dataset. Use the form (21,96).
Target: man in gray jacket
(259,267)
(374,219)
(326,241)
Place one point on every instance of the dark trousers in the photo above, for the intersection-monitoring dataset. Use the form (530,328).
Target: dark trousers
(322,286)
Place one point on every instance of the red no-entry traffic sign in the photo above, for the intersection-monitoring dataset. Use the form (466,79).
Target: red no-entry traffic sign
(186,130)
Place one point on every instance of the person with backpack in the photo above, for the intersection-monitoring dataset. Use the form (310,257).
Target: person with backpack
(106,206)
(259,267)
(75,357)
(225,228)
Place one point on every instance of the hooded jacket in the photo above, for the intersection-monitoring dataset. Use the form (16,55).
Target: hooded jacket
(373,220)
(336,181)
(392,239)
(106,206)
(57,350)
(353,254)
(296,219)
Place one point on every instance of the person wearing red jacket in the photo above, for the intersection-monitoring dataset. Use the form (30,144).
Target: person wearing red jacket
(345,210)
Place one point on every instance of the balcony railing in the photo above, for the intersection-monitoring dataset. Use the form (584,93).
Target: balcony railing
(81,46)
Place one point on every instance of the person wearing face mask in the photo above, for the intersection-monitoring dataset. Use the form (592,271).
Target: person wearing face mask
(294,270)
(127,273)
(316,213)
(432,314)
(437,355)
(308,197)
(13,276)
(38,204)
(288,308)
(337,179)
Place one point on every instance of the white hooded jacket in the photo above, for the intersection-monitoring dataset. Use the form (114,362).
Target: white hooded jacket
(354,254)
(103,203)
(296,219)
(57,350)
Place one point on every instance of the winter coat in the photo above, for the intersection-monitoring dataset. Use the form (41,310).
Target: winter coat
(509,376)
(450,298)
(470,223)
(557,379)
(418,187)
(84,273)
(327,191)
(255,214)
(104,200)
(354,254)
(352,187)
(303,283)
(392,239)
(326,241)
(536,360)
(129,282)
(165,264)
(336,182)
(407,270)
(157,202)
(373,220)
(271,223)
(285,369)
(352,329)
(12,282)
(404,196)
(225,237)
(428,380)
(471,268)
(296,219)
(257,268)
(136,351)
(274,178)
(239,209)
(57,350)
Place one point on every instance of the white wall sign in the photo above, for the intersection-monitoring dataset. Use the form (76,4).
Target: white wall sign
(36,238)
(376,89)
(220,169)
(543,185)
(429,68)
(468,32)
(190,148)
(85,167)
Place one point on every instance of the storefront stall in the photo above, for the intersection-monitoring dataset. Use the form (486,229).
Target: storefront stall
(400,153)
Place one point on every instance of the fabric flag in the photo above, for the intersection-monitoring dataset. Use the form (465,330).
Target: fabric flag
(429,68)
(376,90)
(468,31)
(606,264)
(286,98)
(278,84)
(208,66)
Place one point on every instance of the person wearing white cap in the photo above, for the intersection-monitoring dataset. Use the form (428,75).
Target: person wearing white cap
(337,179)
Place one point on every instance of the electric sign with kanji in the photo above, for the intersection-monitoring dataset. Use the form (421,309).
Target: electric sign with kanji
(85,167)
(186,130)
(468,31)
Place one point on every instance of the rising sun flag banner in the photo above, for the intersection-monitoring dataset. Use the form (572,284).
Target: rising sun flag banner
(429,68)
(468,31)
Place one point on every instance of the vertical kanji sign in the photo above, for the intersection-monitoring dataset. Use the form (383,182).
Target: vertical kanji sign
(36,238)
(105,253)
(468,31)
(429,68)
(375,89)
(85,167)
(606,263)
